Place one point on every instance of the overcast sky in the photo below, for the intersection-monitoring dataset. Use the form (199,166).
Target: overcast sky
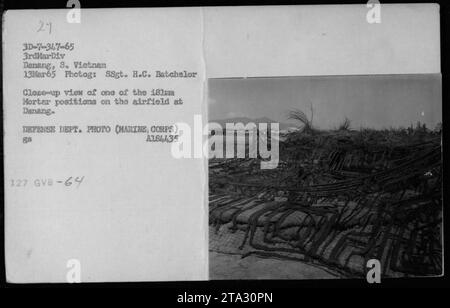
(376,101)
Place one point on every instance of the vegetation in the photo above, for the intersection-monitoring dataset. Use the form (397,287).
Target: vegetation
(345,125)
(300,116)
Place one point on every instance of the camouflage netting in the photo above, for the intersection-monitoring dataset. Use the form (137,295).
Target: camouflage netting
(337,199)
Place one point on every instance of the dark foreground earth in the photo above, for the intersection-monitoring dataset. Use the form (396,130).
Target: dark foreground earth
(336,200)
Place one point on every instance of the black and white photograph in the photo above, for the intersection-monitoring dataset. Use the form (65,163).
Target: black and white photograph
(358,178)
(223,153)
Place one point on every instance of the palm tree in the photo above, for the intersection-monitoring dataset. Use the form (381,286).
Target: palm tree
(300,116)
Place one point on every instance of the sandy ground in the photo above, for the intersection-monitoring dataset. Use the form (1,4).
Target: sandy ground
(228,266)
